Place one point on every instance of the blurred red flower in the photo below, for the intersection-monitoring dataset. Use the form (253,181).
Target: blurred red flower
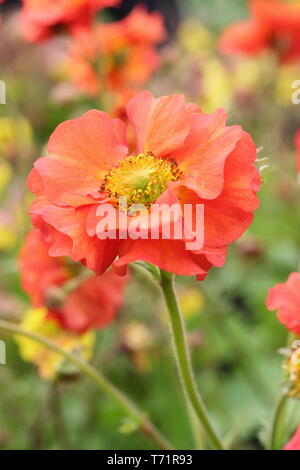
(285,298)
(117,56)
(273,25)
(183,156)
(40,19)
(297,144)
(294,442)
(92,304)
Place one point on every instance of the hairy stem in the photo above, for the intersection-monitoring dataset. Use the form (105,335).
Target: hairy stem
(183,359)
(277,422)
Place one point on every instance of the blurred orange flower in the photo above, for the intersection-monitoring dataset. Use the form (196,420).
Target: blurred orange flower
(274,25)
(285,298)
(40,19)
(294,442)
(92,304)
(117,56)
(183,156)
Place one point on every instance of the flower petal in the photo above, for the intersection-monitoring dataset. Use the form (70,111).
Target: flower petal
(247,37)
(294,442)
(230,214)
(285,298)
(94,253)
(81,152)
(203,156)
(169,255)
(161,125)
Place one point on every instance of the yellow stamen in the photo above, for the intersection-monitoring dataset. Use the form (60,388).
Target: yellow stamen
(140,178)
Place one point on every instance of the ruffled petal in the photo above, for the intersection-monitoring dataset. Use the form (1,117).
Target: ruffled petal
(169,255)
(161,125)
(203,156)
(81,152)
(35,183)
(230,214)
(285,298)
(94,253)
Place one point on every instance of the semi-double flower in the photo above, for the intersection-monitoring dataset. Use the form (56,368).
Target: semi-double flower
(274,25)
(41,19)
(182,156)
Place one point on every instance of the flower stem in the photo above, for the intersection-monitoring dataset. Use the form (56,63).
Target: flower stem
(183,359)
(278,417)
(144,424)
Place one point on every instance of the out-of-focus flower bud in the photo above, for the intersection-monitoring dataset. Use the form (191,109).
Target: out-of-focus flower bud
(137,339)
(292,369)
(55,297)
(250,247)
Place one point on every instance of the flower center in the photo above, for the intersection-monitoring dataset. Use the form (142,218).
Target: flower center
(140,178)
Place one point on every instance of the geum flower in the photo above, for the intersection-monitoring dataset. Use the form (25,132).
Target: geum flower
(183,156)
(273,25)
(285,298)
(117,56)
(41,19)
(294,442)
(93,303)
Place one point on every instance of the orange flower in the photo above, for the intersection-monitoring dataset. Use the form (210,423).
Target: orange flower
(297,144)
(273,25)
(294,442)
(183,157)
(42,18)
(285,298)
(92,304)
(117,56)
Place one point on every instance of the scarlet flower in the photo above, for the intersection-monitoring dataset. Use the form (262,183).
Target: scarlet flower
(92,304)
(273,25)
(285,298)
(40,19)
(294,442)
(297,144)
(183,156)
(117,56)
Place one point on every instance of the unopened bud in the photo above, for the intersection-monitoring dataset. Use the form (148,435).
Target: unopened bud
(292,368)
(55,297)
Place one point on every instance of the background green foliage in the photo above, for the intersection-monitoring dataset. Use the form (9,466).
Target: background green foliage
(235,353)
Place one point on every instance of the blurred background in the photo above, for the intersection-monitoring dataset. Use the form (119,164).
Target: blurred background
(233,338)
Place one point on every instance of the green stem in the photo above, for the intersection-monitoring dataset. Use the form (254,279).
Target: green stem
(278,417)
(145,425)
(183,359)
(279,411)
